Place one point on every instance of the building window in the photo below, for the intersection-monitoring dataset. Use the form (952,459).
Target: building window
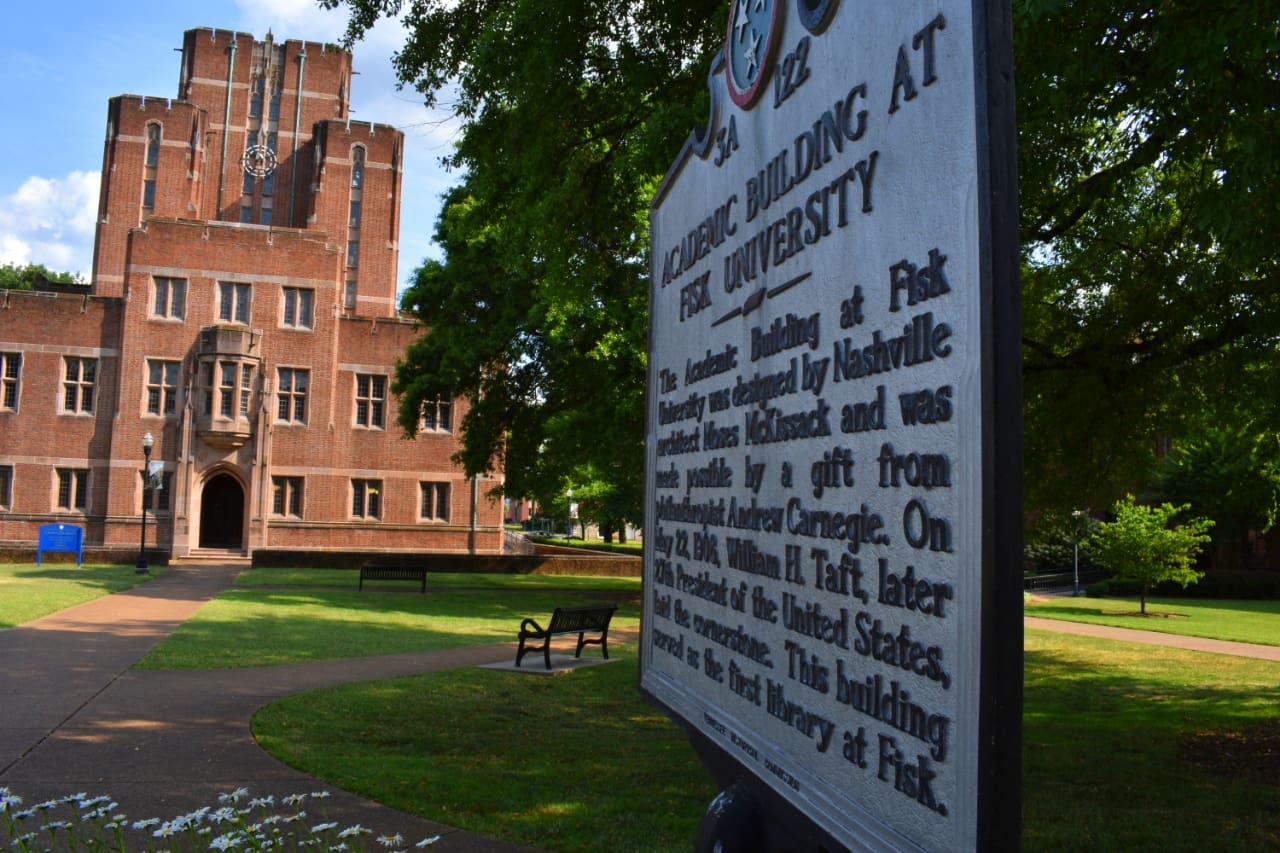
(206,377)
(10,377)
(153,144)
(435,501)
(255,99)
(73,488)
(265,215)
(170,298)
(298,307)
(79,376)
(233,302)
(353,253)
(366,498)
(291,395)
(438,415)
(357,167)
(286,496)
(246,385)
(246,214)
(162,387)
(371,398)
(227,389)
(349,297)
(354,220)
(159,493)
(152,159)
(6,487)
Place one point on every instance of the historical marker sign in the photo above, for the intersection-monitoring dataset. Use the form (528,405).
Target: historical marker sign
(833,471)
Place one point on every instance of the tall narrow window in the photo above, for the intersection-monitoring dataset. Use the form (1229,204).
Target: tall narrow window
(435,501)
(286,496)
(170,298)
(162,387)
(153,144)
(371,393)
(151,161)
(357,167)
(366,498)
(291,395)
(73,488)
(227,389)
(354,219)
(6,487)
(206,382)
(10,376)
(233,302)
(79,375)
(298,307)
(255,98)
(246,385)
(161,493)
(349,297)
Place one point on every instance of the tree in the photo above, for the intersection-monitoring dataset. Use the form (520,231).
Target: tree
(1148,193)
(1144,545)
(1148,207)
(14,277)
(1231,475)
(538,312)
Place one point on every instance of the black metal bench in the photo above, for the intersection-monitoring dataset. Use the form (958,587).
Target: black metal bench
(568,620)
(391,572)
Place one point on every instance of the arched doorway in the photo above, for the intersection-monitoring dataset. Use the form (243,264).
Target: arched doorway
(222,513)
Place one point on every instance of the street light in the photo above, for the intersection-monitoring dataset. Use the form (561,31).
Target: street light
(147,441)
(1075,545)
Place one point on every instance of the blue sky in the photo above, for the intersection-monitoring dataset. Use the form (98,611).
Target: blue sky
(63,60)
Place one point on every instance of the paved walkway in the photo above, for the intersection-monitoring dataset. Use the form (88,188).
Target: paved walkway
(77,718)
(163,743)
(1156,638)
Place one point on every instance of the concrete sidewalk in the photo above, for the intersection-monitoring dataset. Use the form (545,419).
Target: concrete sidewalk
(1155,638)
(163,743)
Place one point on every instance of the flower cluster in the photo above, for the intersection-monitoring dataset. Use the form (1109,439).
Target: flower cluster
(240,822)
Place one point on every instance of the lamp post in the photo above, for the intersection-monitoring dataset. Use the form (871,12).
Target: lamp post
(147,441)
(568,511)
(1075,547)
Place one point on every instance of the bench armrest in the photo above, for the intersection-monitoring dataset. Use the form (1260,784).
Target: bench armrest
(529,623)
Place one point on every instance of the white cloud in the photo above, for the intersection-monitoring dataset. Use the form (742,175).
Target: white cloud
(50,221)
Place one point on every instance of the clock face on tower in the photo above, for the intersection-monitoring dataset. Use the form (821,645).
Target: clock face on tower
(259,161)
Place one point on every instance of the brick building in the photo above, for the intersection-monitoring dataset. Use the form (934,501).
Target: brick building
(243,312)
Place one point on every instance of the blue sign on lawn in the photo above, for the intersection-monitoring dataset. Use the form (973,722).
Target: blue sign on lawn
(61,537)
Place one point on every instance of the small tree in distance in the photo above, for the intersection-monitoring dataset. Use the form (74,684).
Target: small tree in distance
(1143,544)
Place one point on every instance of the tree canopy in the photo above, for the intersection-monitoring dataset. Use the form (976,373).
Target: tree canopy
(14,277)
(1149,206)
(1147,184)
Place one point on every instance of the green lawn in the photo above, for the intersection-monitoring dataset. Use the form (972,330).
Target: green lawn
(263,627)
(28,591)
(1240,621)
(576,762)
(1137,747)
(1126,747)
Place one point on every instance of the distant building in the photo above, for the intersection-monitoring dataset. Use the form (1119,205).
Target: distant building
(242,311)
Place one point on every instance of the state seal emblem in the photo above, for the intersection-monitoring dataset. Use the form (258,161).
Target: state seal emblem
(755,28)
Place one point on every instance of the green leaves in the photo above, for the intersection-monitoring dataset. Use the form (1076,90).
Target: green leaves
(1142,544)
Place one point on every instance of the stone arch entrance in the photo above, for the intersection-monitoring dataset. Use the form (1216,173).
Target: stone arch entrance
(222,513)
